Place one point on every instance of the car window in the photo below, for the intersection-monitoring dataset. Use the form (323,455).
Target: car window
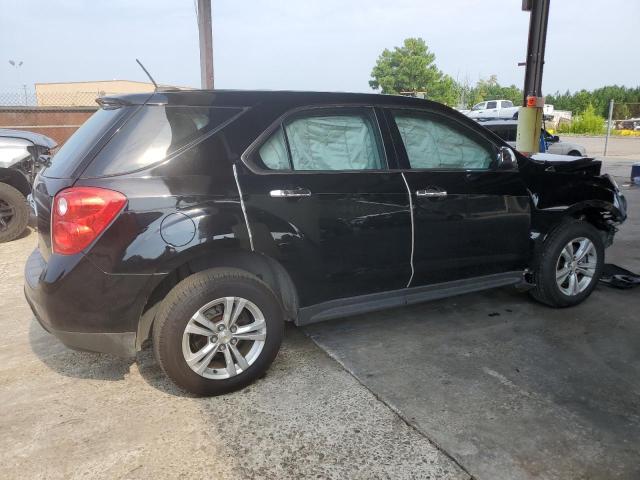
(507,104)
(320,141)
(273,152)
(492,105)
(433,141)
(67,159)
(154,133)
(478,106)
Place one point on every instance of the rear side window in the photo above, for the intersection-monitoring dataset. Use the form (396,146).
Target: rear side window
(507,104)
(155,133)
(340,139)
(434,142)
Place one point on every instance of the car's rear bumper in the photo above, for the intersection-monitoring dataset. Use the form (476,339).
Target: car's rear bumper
(84,307)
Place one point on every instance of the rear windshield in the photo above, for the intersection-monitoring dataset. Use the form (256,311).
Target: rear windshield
(75,149)
(154,133)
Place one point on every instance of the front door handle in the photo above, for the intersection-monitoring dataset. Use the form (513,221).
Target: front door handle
(294,193)
(431,192)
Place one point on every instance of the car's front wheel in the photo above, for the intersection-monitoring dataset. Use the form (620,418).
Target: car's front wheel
(569,264)
(217,331)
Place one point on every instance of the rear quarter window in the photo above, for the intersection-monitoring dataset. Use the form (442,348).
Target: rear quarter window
(155,133)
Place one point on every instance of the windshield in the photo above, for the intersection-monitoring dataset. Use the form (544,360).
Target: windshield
(82,141)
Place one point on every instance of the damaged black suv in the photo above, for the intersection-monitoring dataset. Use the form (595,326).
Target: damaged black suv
(203,220)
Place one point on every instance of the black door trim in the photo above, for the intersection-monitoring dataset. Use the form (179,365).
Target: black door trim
(406,296)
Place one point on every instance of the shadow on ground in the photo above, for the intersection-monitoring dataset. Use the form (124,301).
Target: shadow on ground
(73,363)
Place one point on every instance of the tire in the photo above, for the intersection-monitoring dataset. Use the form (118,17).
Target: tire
(552,262)
(198,295)
(575,153)
(14,213)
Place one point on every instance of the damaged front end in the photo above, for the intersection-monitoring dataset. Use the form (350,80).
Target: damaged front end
(568,187)
(22,155)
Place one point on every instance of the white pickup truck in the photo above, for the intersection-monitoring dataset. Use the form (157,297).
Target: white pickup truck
(493,109)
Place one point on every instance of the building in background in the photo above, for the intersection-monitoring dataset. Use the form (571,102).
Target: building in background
(84,94)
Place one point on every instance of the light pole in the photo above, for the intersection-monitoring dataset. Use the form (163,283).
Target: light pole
(17,64)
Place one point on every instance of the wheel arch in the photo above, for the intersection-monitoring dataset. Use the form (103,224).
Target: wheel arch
(602,215)
(16,179)
(265,268)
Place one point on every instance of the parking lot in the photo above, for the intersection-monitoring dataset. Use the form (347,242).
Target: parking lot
(487,385)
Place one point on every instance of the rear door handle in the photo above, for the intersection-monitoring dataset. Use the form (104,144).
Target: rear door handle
(294,193)
(431,192)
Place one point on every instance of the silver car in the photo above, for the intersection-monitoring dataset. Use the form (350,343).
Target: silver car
(22,155)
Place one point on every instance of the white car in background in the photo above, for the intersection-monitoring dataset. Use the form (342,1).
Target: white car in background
(493,109)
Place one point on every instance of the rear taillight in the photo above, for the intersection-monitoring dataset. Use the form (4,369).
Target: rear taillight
(80,214)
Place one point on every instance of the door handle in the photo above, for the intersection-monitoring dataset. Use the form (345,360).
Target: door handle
(295,193)
(431,192)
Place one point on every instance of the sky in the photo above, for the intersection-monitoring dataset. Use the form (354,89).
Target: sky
(328,45)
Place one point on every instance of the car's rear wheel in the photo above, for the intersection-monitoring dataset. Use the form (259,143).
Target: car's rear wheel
(569,264)
(14,213)
(575,153)
(217,331)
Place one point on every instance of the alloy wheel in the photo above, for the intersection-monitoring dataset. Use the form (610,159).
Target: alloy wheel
(224,338)
(576,266)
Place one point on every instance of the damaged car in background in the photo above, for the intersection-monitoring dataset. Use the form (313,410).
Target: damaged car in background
(22,155)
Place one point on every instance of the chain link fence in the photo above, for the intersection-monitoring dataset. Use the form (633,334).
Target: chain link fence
(54,114)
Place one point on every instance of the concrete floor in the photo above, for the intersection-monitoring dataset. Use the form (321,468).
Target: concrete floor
(509,388)
(67,414)
(504,388)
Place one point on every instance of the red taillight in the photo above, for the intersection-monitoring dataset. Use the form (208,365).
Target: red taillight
(80,214)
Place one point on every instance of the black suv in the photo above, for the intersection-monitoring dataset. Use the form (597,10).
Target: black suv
(206,219)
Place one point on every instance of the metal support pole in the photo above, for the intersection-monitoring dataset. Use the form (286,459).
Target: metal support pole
(531,114)
(606,140)
(535,49)
(206,44)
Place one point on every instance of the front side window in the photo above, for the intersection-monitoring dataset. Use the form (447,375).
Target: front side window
(478,106)
(322,141)
(492,105)
(434,142)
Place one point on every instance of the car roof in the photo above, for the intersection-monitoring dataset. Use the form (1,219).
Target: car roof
(249,98)
(35,138)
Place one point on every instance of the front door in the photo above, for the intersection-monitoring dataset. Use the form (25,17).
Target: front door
(471,219)
(321,200)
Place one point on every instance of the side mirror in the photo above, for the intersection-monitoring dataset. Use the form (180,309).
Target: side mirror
(506,158)
(554,139)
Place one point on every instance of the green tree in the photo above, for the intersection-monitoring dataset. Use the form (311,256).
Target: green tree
(412,68)
(490,89)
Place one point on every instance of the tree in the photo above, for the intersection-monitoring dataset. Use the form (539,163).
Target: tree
(412,68)
(490,89)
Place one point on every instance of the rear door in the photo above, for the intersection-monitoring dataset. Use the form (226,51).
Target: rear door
(321,200)
(471,219)
(492,109)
